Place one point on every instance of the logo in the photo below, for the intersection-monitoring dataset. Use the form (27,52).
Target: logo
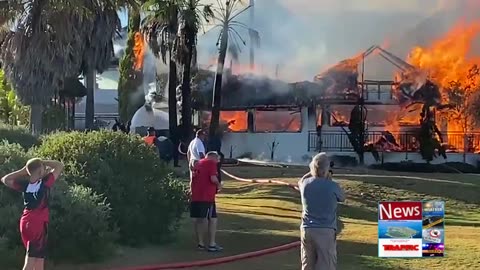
(406,248)
(433,250)
(434,208)
(411,229)
(433,235)
(400,211)
(400,247)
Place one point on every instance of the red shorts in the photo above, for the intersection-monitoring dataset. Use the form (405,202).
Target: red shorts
(34,237)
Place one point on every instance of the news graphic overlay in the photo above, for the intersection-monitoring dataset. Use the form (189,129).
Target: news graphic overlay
(433,230)
(400,229)
(411,229)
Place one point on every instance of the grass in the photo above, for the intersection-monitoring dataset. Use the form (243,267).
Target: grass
(254,217)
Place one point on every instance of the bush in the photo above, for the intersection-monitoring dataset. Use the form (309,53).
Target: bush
(18,134)
(147,203)
(80,225)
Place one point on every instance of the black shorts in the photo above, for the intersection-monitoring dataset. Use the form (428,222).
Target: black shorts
(203,210)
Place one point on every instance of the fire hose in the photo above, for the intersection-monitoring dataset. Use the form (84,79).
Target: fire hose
(233,258)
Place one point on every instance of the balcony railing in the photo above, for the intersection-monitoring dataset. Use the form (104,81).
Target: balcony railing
(339,142)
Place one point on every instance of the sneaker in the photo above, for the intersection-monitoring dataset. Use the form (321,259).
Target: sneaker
(201,247)
(215,248)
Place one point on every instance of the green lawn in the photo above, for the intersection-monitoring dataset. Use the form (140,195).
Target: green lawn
(254,217)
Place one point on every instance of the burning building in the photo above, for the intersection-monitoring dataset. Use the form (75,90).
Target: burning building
(270,119)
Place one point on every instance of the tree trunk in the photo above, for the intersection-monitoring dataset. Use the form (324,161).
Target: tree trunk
(172,107)
(187,90)
(130,78)
(217,86)
(90,102)
(36,113)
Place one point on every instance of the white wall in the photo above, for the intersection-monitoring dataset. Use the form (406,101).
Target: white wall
(291,146)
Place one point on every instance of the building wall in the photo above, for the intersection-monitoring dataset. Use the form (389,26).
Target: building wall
(290,147)
(293,147)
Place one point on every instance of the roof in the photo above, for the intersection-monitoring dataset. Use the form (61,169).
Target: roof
(251,91)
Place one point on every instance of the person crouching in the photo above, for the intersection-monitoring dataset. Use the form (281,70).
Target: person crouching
(204,185)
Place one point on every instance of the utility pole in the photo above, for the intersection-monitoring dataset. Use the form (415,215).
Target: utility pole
(252,37)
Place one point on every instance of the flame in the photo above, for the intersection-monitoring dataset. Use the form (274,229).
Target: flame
(450,59)
(138,51)
(235,120)
(281,121)
(447,59)
(265,121)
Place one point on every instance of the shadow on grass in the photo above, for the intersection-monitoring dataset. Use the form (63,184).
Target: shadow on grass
(283,209)
(290,260)
(357,255)
(463,193)
(258,213)
(356,212)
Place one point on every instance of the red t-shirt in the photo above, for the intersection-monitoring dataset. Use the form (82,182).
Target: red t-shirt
(150,140)
(203,190)
(36,197)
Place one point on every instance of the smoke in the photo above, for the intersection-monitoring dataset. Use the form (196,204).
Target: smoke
(151,67)
(300,38)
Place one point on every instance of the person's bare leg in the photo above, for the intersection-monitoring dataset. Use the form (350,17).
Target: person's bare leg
(212,232)
(40,264)
(195,230)
(29,263)
(201,230)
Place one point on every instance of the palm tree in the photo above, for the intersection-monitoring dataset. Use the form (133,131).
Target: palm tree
(54,40)
(226,14)
(160,27)
(191,15)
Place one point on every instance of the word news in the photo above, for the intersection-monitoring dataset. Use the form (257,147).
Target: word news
(411,229)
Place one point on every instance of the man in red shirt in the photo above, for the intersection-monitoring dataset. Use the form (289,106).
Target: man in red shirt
(204,186)
(35,181)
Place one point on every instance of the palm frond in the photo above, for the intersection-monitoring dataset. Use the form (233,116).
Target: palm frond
(55,40)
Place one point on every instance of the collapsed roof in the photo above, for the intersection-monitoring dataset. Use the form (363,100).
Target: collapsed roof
(338,84)
(251,91)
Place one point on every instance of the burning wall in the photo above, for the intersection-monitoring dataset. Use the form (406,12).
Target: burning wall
(280,120)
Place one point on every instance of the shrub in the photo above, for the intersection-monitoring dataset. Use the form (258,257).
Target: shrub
(80,224)
(147,203)
(80,228)
(18,134)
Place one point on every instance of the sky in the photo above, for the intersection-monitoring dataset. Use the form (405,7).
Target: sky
(300,38)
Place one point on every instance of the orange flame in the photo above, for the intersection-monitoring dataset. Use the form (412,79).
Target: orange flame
(450,59)
(138,51)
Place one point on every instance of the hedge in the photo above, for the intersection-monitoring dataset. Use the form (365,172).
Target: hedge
(147,202)
(18,134)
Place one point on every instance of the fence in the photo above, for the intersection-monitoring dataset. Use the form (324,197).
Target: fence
(408,142)
(100,120)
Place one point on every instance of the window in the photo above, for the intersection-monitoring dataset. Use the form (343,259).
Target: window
(232,121)
(278,120)
(340,115)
